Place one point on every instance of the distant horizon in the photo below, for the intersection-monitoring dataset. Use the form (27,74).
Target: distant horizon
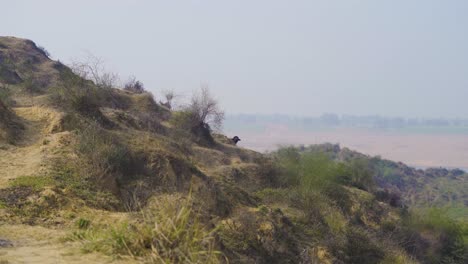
(341,115)
(428,150)
(391,58)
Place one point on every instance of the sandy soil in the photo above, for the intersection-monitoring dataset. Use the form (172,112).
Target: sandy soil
(28,156)
(39,245)
(35,244)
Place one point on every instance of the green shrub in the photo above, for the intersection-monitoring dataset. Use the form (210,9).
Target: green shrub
(358,173)
(288,158)
(449,245)
(360,249)
(307,171)
(311,174)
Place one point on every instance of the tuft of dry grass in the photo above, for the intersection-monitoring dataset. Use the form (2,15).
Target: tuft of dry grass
(167,231)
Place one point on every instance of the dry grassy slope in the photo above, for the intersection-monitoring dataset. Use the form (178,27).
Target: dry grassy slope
(37,245)
(223,179)
(32,156)
(38,146)
(22,59)
(37,143)
(29,156)
(419,188)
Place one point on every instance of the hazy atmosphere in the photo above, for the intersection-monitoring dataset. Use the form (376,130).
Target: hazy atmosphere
(217,132)
(391,58)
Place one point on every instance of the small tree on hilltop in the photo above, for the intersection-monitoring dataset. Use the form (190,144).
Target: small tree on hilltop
(133,85)
(205,110)
(92,68)
(200,116)
(170,96)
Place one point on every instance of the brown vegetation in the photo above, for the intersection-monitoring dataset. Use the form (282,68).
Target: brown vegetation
(123,176)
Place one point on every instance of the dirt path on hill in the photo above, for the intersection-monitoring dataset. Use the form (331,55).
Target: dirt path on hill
(31,157)
(27,157)
(39,245)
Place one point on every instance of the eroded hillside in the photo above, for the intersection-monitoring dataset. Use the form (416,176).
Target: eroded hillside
(417,188)
(89,172)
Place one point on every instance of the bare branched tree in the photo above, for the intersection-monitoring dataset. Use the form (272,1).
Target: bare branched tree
(133,85)
(92,68)
(205,109)
(169,95)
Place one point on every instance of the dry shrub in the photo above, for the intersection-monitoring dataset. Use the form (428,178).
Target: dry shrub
(200,117)
(360,249)
(92,68)
(259,236)
(135,86)
(106,161)
(168,232)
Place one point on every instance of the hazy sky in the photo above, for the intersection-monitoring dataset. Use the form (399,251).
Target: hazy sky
(398,58)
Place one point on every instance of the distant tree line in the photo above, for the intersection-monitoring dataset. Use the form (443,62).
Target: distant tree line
(335,120)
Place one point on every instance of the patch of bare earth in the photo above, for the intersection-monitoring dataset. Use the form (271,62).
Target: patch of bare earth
(35,244)
(28,157)
(31,157)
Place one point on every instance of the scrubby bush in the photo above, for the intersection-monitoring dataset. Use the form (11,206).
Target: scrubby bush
(92,69)
(169,232)
(360,249)
(288,158)
(35,84)
(443,241)
(205,110)
(79,96)
(169,95)
(135,86)
(269,171)
(106,161)
(261,236)
(150,122)
(359,173)
(75,93)
(93,75)
(307,171)
(313,180)
(390,197)
(200,117)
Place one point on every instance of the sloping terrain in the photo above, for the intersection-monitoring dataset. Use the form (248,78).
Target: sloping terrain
(32,149)
(439,187)
(100,174)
